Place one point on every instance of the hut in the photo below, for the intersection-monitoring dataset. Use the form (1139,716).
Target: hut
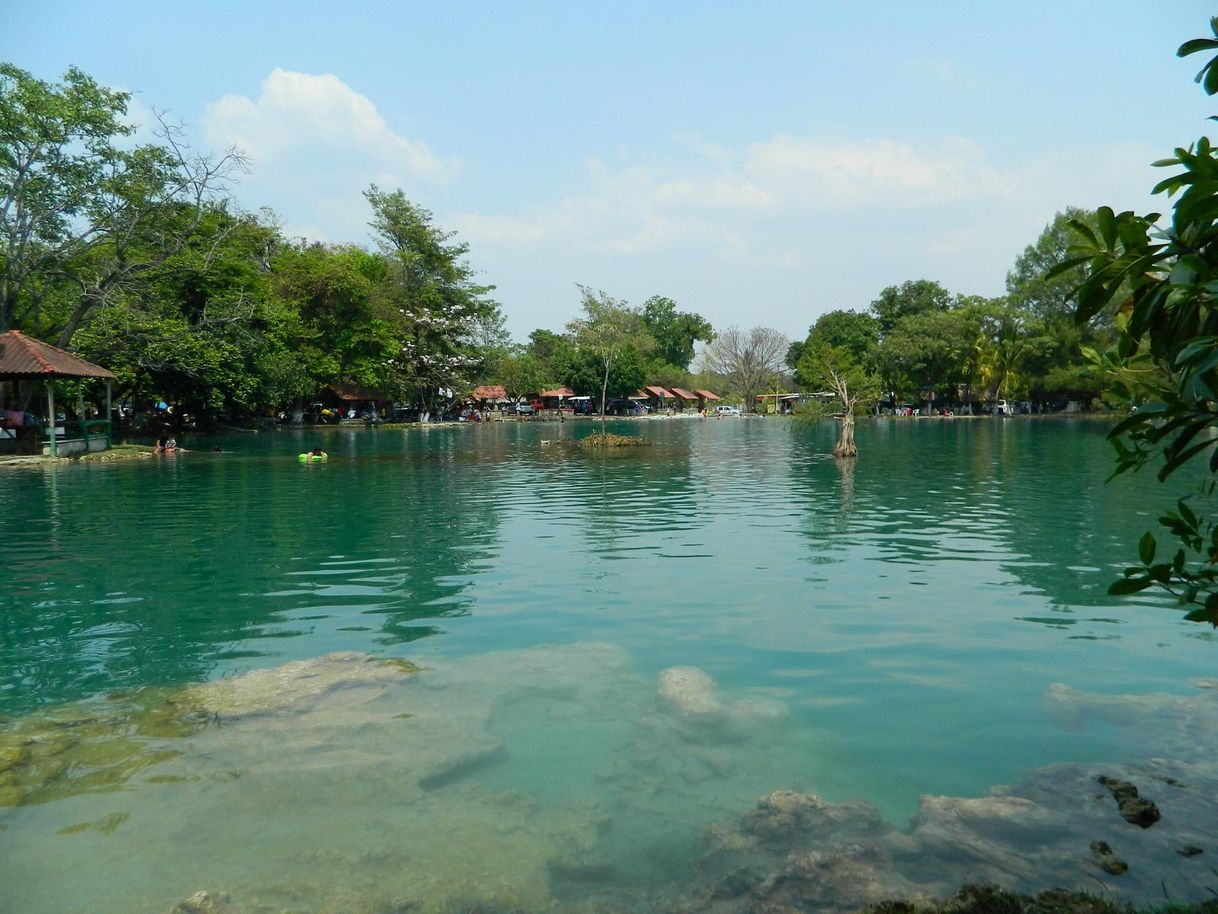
(556,398)
(350,401)
(26,360)
(684,398)
(486,399)
(657,397)
(705,399)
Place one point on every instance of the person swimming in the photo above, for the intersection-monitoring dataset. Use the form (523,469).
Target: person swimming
(317,454)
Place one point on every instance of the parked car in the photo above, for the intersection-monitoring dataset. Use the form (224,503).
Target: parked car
(724,409)
(525,409)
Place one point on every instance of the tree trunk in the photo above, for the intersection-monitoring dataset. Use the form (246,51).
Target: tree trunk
(604,394)
(845,442)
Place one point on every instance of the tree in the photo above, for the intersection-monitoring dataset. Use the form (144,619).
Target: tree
(857,333)
(1164,280)
(520,373)
(674,332)
(436,309)
(929,352)
(606,331)
(1029,289)
(748,361)
(77,210)
(916,296)
(795,352)
(203,329)
(555,353)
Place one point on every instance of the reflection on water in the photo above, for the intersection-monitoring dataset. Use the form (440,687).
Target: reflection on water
(916,605)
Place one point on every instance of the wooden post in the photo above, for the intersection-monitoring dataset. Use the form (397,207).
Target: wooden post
(81,416)
(51,418)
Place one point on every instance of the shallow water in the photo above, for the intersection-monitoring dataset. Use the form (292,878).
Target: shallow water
(878,631)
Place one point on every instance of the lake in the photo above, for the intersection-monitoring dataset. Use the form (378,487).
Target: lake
(471,667)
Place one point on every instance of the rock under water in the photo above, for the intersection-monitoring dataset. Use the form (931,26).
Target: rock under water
(548,779)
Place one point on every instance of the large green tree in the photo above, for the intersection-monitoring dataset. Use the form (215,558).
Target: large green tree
(82,214)
(675,332)
(1029,288)
(203,329)
(929,354)
(913,297)
(436,306)
(853,332)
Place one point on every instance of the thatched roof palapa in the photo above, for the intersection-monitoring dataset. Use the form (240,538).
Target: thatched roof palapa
(26,359)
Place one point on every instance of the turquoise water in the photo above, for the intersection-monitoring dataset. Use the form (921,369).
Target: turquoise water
(879,630)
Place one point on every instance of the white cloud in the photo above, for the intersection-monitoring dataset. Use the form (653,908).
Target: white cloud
(716,193)
(763,204)
(800,224)
(873,171)
(504,231)
(315,144)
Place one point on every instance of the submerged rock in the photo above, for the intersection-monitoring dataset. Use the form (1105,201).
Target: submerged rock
(689,690)
(834,881)
(1133,808)
(1107,860)
(784,814)
(1048,830)
(689,696)
(202,903)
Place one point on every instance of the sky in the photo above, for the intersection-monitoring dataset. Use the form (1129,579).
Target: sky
(758,162)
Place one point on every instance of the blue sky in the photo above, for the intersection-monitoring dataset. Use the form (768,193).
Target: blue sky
(760,162)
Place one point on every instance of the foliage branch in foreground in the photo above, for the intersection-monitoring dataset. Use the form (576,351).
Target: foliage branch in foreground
(1166,280)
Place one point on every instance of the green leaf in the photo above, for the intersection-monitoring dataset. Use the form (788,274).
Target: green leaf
(1146,548)
(1127,586)
(1195,45)
(1160,573)
(1205,613)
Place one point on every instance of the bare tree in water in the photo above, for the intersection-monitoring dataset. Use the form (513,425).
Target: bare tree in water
(823,365)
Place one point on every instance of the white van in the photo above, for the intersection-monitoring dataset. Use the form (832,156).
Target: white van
(724,410)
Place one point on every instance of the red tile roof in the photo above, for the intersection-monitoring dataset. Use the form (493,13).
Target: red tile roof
(706,394)
(489,392)
(354,392)
(22,357)
(684,394)
(657,391)
(558,392)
